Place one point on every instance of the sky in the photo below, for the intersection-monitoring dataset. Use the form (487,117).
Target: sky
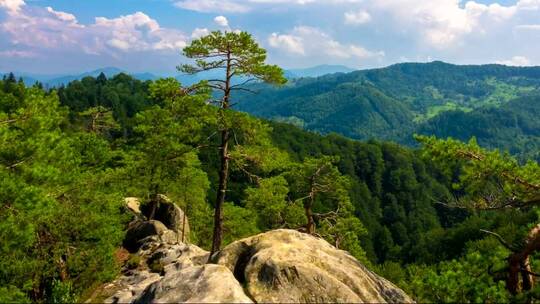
(73,36)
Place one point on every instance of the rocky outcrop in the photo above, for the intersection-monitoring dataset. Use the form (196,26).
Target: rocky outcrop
(287,266)
(133,204)
(130,286)
(174,273)
(164,210)
(281,266)
(139,230)
(197,284)
(160,217)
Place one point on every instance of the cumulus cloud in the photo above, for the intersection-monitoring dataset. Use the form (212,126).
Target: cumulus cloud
(305,40)
(221,21)
(199,32)
(357,17)
(12,5)
(70,18)
(138,32)
(46,28)
(289,43)
(516,61)
(219,6)
(442,23)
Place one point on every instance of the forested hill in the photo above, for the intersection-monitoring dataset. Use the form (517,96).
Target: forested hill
(68,157)
(395,102)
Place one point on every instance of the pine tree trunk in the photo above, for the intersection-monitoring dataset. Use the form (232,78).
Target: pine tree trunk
(310,226)
(518,264)
(222,189)
(224,158)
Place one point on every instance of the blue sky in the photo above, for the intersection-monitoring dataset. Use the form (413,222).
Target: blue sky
(70,36)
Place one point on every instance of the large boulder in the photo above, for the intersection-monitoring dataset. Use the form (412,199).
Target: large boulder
(183,276)
(167,212)
(139,230)
(130,286)
(197,284)
(287,266)
(133,204)
(281,266)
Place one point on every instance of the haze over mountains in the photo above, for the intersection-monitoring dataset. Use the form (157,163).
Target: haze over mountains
(57,80)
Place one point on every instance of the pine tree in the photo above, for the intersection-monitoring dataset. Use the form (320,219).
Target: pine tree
(242,60)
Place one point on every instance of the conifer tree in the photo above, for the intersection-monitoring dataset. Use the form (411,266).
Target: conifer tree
(242,61)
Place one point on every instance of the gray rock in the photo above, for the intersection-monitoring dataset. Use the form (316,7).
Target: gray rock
(133,204)
(287,266)
(197,284)
(172,216)
(173,259)
(183,254)
(139,230)
(281,266)
(129,287)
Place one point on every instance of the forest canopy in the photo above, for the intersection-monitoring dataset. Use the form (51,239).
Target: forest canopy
(420,217)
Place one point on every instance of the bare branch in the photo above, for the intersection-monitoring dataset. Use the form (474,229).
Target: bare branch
(217,80)
(500,238)
(244,83)
(245,90)
(6,122)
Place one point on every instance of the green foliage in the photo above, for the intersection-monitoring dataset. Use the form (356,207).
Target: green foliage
(247,56)
(467,280)
(391,191)
(62,292)
(49,179)
(168,134)
(122,94)
(12,294)
(238,223)
(270,200)
(488,179)
(511,127)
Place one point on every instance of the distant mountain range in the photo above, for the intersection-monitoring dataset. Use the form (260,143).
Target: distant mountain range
(57,80)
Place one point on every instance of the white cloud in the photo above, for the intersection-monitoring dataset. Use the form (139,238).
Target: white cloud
(244,6)
(289,43)
(62,15)
(357,17)
(138,32)
(516,61)
(12,5)
(199,32)
(45,28)
(311,41)
(221,21)
(528,4)
(17,53)
(220,6)
(442,23)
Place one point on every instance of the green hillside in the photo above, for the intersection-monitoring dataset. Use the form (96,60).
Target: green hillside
(395,102)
